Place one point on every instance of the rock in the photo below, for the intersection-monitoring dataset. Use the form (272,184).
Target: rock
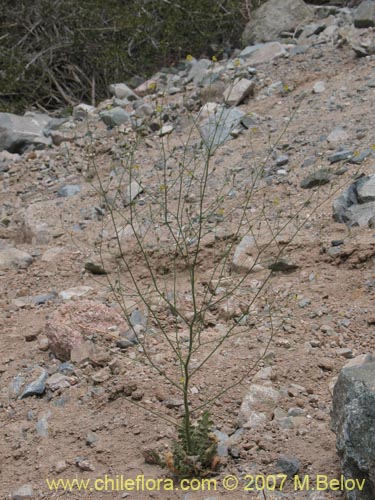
(337,136)
(11,257)
(275,17)
(263,374)
(222,443)
(288,465)
(94,268)
(363,50)
(353,421)
(15,386)
(57,381)
(308,162)
(356,205)
(340,156)
(282,160)
(102,375)
(37,387)
(364,15)
(261,53)
(360,215)
(91,439)
(68,325)
(257,406)
(114,117)
(237,92)
(326,364)
(122,91)
(83,352)
(7,159)
(68,190)
(366,190)
(282,266)
(304,303)
(318,178)
(166,130)
(146,88)
(144,111)
(198,71)
(217,128)
(134,190)
(310,30)
(359,157)
(42,424)
(51,254)
(21,302)
(25,492)
(84,464)
(75,292)
(124,343)
(243,262)
(61,466)
(39,300)
(345,352)
(83,111)
(43,343)
(37,227)
(67,368)
(17,133)
(319,87)
(248,121)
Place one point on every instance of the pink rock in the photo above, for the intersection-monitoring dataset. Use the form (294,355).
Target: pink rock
(146,88)
(72,322)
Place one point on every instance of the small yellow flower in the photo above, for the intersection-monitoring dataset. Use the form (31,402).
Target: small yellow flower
(152,85)
(189,57)
(237,62)
(163,187)
(286,88)
(220,211)
(214,58)
(135,167)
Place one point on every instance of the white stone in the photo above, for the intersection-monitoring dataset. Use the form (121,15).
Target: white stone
(77,291)
(23,493)
(259,402)
(166,130)
(337,136)
(243,261)
(319,87)
(236,93)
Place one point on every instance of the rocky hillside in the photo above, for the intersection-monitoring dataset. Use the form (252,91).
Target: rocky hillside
(287,120)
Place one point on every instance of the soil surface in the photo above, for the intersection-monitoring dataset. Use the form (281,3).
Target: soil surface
(319,313)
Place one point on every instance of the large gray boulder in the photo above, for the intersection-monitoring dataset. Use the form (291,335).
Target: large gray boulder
(17,133)
(356,205)
(364,16)
(353,421)
(275,17)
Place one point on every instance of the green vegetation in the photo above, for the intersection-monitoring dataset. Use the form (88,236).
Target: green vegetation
(56,53)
